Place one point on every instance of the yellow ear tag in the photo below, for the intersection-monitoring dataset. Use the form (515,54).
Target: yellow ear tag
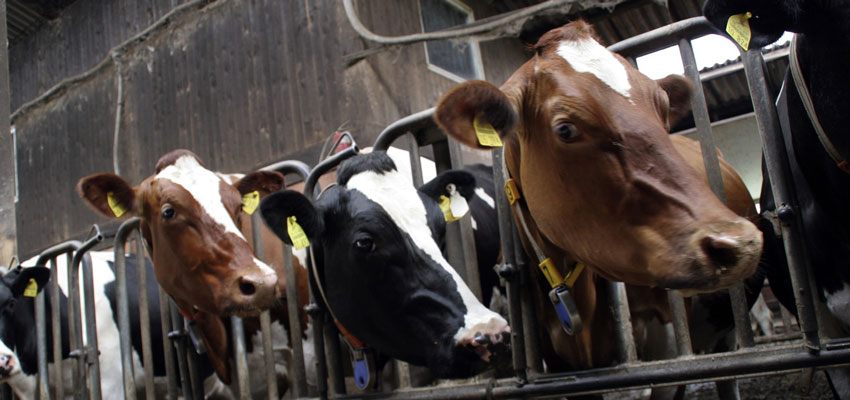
(32,289)
(446,206)
(296,234)
(487,135)
(738,27)
(114,205)
(250,202)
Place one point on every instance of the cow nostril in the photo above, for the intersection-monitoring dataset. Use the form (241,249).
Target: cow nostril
(722,251)
(247,287)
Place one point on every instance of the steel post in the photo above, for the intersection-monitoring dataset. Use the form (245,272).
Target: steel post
(86,354)
(124,231)
(237,332)
(144,317)
(168,351)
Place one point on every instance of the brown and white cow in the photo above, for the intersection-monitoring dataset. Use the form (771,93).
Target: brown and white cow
(586,141)
(190,220)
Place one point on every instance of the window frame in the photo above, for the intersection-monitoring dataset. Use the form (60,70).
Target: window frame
(475,50)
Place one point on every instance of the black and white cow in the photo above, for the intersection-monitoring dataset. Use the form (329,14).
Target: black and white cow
(377,243)
(822,188)
(18,363)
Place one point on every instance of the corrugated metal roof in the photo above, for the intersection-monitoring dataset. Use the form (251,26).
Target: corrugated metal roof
(24,17)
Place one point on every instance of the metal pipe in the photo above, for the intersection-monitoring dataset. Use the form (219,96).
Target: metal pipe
(292,305)
(84,356)
(237,331)
(508,269)
(168,351)
(195,378)
(410,123)
(325,166)
(265,316)
(124,231)
(775,160)
(144,317)
(680,323)
(178,337)
(295,334)
(56,322)
(624,337)
(40,310)
(336,373)
(685,370)
(665,36)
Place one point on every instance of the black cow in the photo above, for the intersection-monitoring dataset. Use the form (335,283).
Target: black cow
(377,243)
(822,188)
(18,357)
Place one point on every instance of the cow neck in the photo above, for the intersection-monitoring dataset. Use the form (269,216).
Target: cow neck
(806,99)
(550,271)
(353,342)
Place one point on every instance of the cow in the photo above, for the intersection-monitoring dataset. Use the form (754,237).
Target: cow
(18,362)
(821,178)
(377,247)
(190,222)
(601,183)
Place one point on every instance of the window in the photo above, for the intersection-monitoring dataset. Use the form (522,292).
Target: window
(459,59)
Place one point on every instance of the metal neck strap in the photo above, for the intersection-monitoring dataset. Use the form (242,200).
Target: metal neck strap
(806,98)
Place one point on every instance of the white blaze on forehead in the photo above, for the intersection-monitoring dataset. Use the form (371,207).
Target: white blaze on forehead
(204,185)
(587,55)
(395,194)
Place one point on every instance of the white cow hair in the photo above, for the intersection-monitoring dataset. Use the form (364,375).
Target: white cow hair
(587,55)
(839,304)
(394,193)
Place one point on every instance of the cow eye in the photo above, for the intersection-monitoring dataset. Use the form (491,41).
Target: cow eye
(364,244)
(566,131)
(168,212)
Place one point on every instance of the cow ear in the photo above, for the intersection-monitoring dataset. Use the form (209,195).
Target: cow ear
(263,181)
(108,194)
(40,274)
(457,110)
(679,90)
(463,181)
(277,207)
(768,22)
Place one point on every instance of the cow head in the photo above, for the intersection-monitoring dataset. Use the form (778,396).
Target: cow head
(377,246)
(770,19)
(586,139)
(16,316)
(189,218)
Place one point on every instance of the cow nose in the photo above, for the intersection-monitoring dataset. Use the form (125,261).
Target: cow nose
(492,340)
(259,288)
(722,251)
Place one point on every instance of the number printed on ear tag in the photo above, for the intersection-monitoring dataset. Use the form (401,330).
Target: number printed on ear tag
(296,234)
(486,134)
(738,27)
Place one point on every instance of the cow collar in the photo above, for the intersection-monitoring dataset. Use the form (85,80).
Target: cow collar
(806,99)
(560,295)
(362,355)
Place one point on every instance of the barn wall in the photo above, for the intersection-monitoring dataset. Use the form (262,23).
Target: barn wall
(242,83)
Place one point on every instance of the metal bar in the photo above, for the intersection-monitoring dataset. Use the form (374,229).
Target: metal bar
(292,306)
(626,349)
(40,317)
(410,123)
(335,360)
(178,337)
(84,356)
(8,191)
(467,235)
(144,317)
(703,368)
(680,323)
(265,316)
(195,379)
(168,351)
(295,334)
(56,322)
(325,166)
(415,162)
(508,269)
(775,159)
(317,314)
(662,37)
(237,331)
(529,313)
(124,231)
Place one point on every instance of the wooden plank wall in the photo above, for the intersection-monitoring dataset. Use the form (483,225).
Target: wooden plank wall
(242,83)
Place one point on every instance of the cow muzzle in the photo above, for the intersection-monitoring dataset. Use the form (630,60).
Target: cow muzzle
(255,292)
(487,340)
(8,366)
